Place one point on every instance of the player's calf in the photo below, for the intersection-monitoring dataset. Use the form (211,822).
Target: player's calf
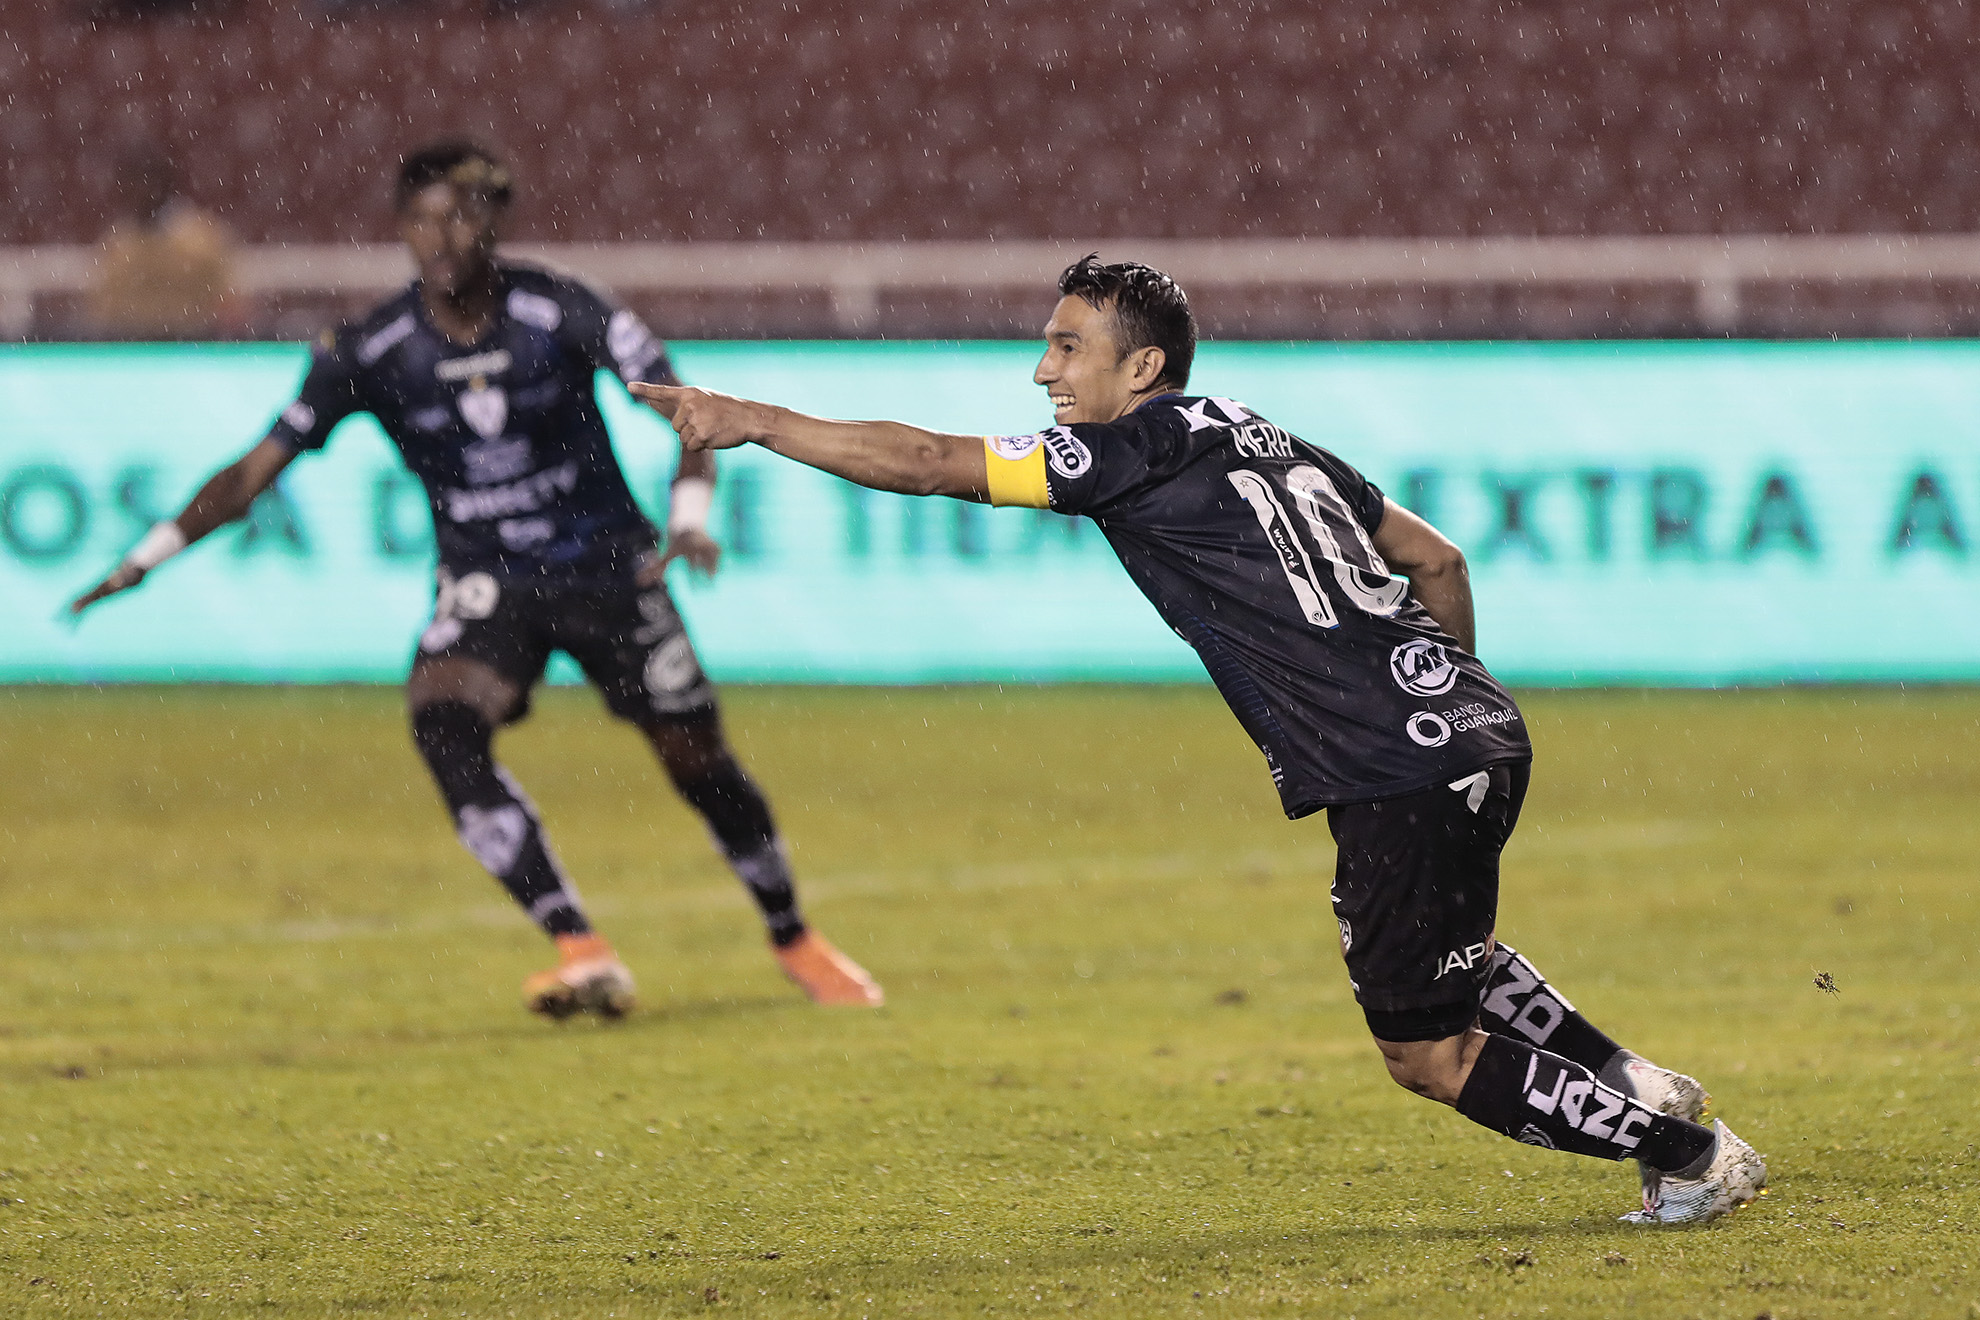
(495,821)
(1543,1099)
(1517,1001)
(737,815)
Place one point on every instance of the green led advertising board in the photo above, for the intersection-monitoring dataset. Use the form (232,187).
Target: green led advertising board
(1633,512)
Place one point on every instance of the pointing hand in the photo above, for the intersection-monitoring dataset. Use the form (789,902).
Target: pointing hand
(702,418)
(123,578)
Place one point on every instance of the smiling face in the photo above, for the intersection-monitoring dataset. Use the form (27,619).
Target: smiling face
(452,232)
(1084,371)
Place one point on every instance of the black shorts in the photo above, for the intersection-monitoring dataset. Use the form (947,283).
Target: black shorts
(1416,890)
(628,639)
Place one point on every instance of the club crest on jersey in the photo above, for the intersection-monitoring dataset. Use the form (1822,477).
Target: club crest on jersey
(1068,456)
(1427,728)
(1422,668)
(485,408)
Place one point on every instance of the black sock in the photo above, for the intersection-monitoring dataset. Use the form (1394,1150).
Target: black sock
(1543,1099)
(1518,1003)
(739,818)
(495,821)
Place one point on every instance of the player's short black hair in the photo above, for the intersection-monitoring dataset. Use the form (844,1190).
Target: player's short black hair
(454,160)
(1150,309)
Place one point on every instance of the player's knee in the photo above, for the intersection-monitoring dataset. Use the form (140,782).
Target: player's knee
(1430,1068)
(1425,1048)
(1408,1071)
(466,683)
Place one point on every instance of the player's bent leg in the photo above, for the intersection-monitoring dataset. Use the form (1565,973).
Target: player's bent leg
(708,777)
(1543,1099)
(1520,1003)
(454,710)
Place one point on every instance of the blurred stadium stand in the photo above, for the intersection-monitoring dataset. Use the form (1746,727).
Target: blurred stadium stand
(1015,133)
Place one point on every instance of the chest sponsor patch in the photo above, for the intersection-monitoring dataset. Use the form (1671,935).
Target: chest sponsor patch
(467,368)
(499,458)
(1067,454)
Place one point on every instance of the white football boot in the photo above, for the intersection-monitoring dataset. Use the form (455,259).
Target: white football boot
(1735,1176)
(1664,1091)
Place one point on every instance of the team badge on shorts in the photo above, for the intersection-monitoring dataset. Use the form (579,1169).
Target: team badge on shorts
(672,677)
(1422,668)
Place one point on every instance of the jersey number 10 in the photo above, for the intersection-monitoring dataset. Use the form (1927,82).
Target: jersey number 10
(1336,536)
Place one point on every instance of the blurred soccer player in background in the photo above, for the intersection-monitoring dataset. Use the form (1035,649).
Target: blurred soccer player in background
(482,372)
(1276,561)
(166,267)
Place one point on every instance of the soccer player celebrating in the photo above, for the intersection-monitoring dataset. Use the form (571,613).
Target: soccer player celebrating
(482,373)
(1277,562)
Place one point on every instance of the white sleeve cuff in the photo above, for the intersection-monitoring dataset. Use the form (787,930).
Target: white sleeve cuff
(693,496)
(164,540)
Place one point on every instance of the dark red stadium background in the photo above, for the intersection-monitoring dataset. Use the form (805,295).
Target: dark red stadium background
(882,120)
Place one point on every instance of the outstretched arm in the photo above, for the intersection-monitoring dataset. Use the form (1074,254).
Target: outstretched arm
(225,497)
(1435,568)
(883,455)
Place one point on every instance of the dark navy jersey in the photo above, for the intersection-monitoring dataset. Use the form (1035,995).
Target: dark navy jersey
(1257,548)
(505,434)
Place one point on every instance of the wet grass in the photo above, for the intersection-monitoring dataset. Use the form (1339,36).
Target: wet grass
(260,1051)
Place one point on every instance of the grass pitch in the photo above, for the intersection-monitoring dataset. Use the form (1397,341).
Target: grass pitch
(261,1053)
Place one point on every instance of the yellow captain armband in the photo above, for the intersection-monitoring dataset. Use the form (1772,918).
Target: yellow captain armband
(1016,467)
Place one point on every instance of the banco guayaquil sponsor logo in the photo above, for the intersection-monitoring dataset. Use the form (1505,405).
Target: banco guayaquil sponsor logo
(1067,454)
(1427,728)
(1422,668)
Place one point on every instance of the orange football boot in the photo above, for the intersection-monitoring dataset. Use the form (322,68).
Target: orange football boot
(827,975)
(588,978)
